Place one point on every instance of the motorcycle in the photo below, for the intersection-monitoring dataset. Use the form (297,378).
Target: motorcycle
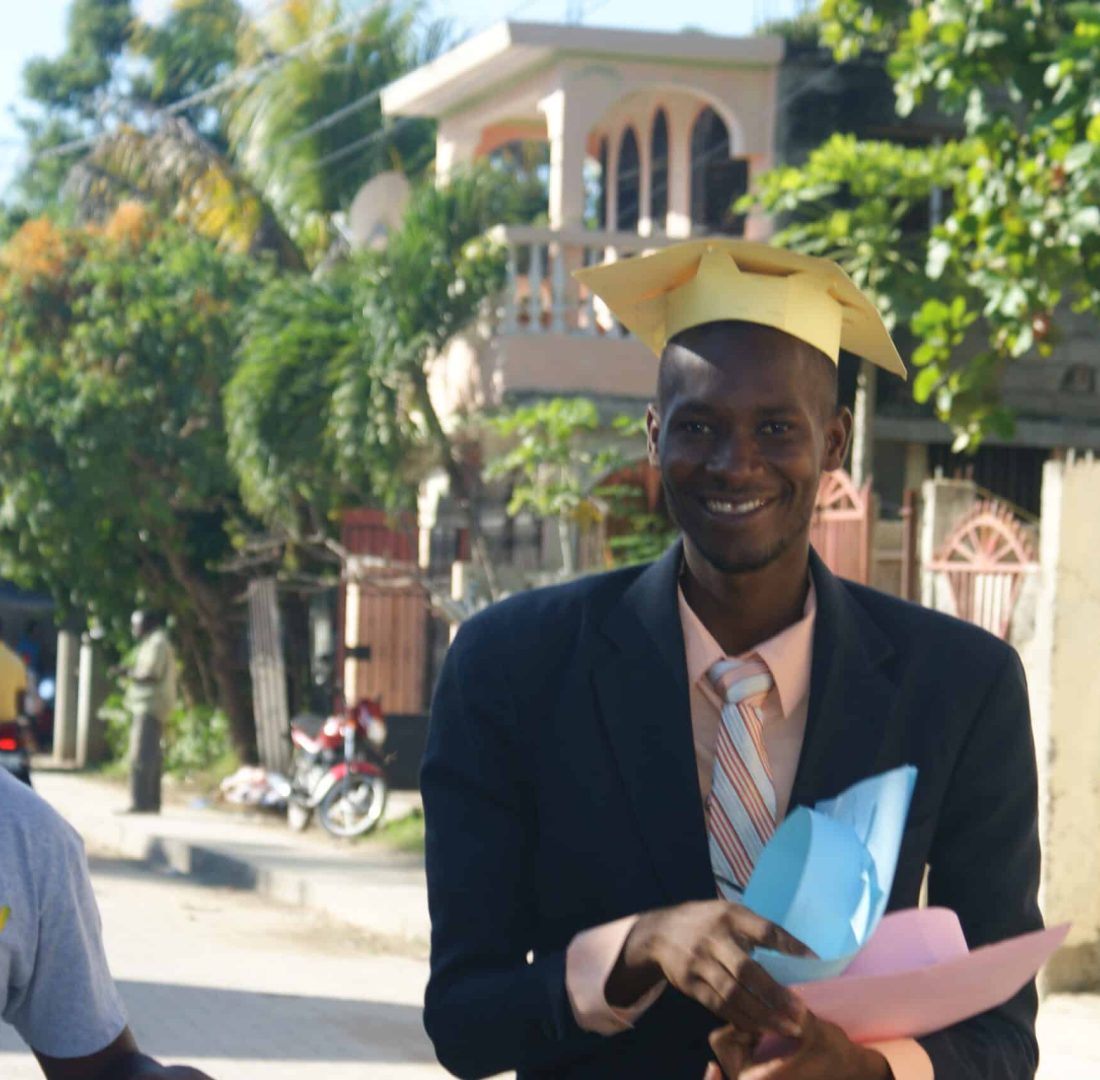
(339,772)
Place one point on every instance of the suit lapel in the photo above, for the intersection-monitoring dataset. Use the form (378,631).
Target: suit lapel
(850,729)
(641,686)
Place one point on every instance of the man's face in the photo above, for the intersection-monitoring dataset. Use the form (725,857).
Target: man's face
(742,435)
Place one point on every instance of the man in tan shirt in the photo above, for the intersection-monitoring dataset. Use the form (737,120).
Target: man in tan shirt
(150,699)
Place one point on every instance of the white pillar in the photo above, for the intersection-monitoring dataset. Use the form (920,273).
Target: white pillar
(645,177)
(863,424)
(91,744)
(567,123)
(455,146)
(351,636)
(681,116)
(64,723)
(614,143)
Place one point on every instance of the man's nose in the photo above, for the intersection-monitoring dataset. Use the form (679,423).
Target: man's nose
(735,455)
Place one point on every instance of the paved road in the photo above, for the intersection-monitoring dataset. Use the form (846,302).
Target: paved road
(250,990)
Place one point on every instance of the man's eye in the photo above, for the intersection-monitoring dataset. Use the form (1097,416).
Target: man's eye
(775,427)
(694,427)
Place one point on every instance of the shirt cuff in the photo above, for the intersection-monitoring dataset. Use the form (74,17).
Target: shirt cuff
(589,961)
(907,1059)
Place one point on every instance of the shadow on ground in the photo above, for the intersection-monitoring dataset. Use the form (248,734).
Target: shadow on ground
(240,1023)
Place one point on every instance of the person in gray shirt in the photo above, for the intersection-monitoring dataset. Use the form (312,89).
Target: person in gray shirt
(55,986)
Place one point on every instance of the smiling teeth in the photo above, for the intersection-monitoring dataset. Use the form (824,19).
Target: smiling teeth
(717,506)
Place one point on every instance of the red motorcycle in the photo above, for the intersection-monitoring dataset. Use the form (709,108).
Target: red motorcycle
(339,771)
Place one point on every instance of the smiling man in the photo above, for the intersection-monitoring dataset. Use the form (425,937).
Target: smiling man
(607,758)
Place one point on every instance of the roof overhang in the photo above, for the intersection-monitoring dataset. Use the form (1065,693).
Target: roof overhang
(507,50)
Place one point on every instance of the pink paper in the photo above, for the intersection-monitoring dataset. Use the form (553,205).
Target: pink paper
(915,976)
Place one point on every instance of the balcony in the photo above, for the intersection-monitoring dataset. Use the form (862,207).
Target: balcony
(552,335)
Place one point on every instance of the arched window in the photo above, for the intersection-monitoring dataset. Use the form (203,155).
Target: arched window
(629,183)
(658,188)
(717,181)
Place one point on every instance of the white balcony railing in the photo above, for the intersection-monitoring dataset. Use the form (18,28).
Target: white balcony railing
(541,296)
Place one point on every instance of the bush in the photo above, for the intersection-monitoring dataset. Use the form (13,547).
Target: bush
(194,739)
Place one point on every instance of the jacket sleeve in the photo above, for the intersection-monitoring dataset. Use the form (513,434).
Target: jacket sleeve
(488,1008)
(984,865)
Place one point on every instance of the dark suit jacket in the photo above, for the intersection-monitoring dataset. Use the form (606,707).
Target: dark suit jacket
(560,792)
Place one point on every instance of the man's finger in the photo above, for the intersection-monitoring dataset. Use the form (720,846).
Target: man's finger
(781,1000)
(751,930)
(773,1007)
(735,1003)
(733,1049)
(713,1073)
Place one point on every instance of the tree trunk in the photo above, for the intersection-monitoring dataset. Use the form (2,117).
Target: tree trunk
(221,625)
(565,539)
(460,488)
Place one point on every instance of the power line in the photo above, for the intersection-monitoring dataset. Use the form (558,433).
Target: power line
(334,117)
(237,77)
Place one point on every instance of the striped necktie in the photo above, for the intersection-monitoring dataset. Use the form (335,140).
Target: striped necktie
(741,808)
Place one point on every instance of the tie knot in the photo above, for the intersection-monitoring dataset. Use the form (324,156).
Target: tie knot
(742,681)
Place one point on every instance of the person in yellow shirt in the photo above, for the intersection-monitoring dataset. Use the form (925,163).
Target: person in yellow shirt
(13,684)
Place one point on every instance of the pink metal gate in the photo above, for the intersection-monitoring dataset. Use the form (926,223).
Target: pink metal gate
(841,527)
(984,560)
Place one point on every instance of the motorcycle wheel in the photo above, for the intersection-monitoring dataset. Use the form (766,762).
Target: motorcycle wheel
(355,809)
(298,815)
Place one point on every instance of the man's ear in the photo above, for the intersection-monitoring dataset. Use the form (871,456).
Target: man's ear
(838,437)
(652,435)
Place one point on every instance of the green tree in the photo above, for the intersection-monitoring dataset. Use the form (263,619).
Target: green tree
(1019,241)
(115,486)
(252,128)
(558,455)
(553,464)
(316,421)
(183,55)
(70,95)
(308,129)
(434,279)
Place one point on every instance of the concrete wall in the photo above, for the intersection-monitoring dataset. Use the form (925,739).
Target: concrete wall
(1063,666)
(475,371)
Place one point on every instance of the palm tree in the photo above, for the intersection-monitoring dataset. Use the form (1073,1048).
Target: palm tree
(309,131)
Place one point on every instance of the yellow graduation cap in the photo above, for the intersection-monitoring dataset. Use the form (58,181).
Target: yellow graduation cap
(699,281)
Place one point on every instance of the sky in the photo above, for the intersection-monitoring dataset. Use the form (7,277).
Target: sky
(40,30)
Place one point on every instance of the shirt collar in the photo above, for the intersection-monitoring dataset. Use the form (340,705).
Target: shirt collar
(788,654)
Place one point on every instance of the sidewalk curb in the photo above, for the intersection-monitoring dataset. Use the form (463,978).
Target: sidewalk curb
(382,894)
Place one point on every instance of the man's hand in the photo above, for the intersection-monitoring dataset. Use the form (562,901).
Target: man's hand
(121,1059)
(824,1052)
(703,950)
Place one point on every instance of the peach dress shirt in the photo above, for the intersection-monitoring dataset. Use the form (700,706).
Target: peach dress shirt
(592,953)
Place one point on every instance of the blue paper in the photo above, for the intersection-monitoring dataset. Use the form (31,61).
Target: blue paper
(825,876)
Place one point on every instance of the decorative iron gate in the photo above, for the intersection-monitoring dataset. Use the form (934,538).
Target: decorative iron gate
(983,561)
(841,527)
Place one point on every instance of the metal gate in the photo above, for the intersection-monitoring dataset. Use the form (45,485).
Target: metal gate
(386,638)
(841,527)
(983,562)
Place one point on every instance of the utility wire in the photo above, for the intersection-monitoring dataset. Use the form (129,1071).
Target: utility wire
(238,77)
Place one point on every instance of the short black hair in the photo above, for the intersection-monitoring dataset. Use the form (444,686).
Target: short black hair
(666,370)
